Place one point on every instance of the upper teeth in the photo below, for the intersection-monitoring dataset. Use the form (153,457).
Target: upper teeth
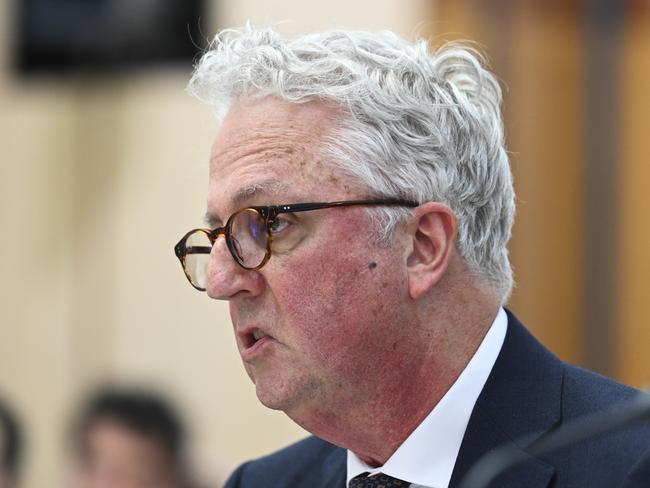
(258,334)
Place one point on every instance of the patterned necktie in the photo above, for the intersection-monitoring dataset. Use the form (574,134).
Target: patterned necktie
(380,480)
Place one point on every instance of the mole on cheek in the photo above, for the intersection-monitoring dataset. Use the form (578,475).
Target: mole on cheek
(372,265)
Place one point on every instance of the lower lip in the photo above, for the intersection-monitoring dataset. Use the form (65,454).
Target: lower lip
(257,349)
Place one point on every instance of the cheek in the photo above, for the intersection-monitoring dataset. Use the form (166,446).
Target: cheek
(342,305)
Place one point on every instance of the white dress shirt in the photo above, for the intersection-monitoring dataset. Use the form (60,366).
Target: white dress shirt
(427,457)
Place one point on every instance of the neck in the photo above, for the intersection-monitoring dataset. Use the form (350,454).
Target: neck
(374,425)
(374,418)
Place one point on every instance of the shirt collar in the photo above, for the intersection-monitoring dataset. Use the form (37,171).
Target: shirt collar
(427,457)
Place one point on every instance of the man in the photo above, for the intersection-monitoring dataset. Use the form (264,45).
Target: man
(128,439)
(359,206)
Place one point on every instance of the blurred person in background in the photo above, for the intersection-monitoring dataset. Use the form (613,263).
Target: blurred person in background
(359,206)
(127,438)
(10,448)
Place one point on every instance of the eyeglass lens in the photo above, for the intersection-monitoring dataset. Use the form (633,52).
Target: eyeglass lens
(197,255)
(249,237)
(248,245)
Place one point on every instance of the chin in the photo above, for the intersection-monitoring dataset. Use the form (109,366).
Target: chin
(286,396)
(273,400)
(285,390)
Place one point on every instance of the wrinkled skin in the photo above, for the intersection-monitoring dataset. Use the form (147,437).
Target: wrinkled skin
(324,302)
(351,333)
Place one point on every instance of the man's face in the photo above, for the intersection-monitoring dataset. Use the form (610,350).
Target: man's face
(329,300)
(117,457)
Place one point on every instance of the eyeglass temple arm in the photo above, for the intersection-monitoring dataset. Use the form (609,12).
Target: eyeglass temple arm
(303,207)
(182,249)
(198,250)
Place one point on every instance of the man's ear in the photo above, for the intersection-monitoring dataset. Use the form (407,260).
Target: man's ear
(433,235)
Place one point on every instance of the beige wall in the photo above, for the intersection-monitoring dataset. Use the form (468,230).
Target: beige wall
(98,180)
(295,16)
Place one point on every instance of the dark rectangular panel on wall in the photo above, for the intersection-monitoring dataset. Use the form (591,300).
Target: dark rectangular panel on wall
(65,36)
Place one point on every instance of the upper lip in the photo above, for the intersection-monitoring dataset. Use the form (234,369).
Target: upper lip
(247,335)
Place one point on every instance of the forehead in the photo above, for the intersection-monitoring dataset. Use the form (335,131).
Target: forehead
(108,433)
(268,146)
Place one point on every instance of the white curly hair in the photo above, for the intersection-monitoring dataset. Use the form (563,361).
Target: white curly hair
(418,125)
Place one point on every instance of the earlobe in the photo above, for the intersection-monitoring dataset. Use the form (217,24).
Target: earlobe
(433,236)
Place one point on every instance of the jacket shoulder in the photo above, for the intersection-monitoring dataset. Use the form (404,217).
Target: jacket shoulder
(544,394)
(586,392)
(297,465)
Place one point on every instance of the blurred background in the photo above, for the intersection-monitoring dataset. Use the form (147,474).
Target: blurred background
(104,167)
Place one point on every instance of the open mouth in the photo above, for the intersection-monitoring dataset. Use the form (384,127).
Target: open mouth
(252,338)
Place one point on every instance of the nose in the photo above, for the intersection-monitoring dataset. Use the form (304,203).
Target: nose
(225,278)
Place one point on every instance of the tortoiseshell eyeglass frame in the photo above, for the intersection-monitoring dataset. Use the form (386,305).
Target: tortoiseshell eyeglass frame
(268,214)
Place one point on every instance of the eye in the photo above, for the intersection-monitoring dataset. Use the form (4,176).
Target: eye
(278,225)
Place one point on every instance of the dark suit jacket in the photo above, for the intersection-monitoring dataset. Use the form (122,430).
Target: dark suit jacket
(528,393)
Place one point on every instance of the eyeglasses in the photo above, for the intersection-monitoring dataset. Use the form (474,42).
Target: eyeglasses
(249,233)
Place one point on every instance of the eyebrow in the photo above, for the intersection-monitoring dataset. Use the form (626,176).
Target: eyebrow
(267,188)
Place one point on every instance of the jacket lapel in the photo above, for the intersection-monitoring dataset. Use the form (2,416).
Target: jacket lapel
(520,402)
(334,470)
